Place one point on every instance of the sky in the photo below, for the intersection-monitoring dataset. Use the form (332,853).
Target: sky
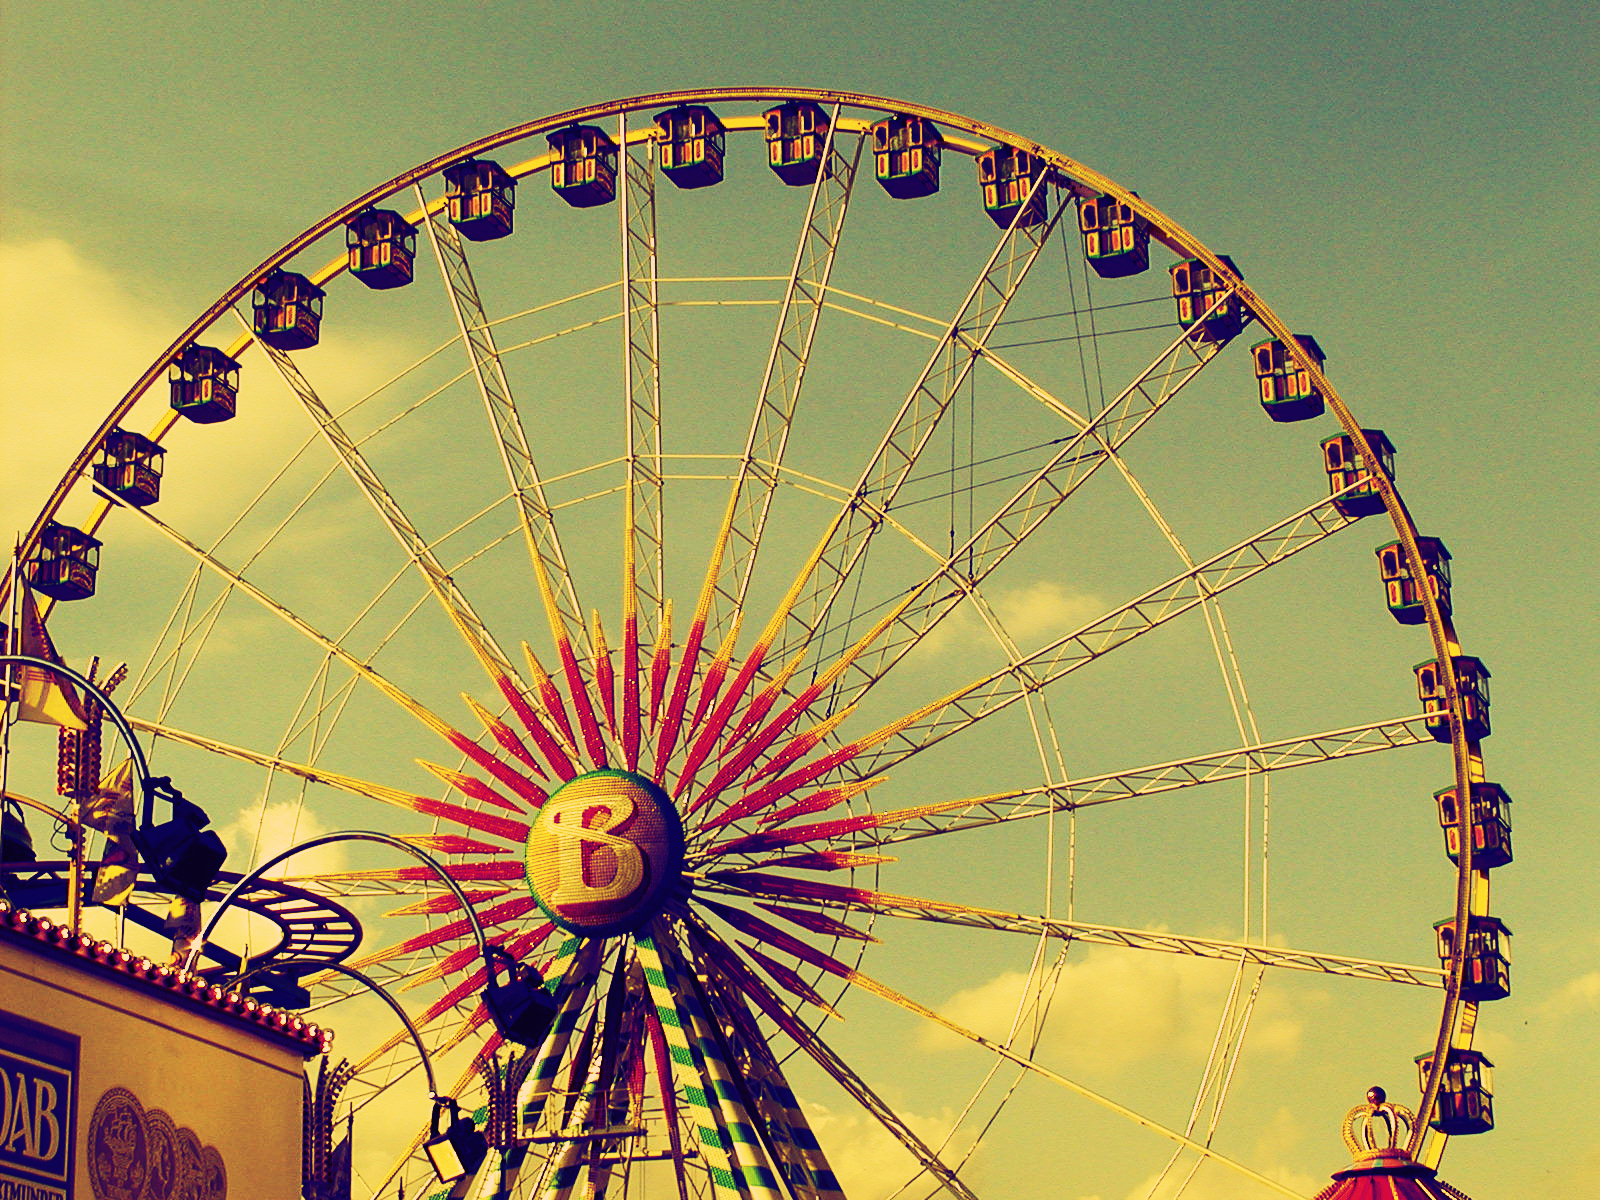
(1412,183)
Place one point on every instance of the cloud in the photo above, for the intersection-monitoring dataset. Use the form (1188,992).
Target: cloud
(1115,1010)
(870,1162)
(1032,615)
(1576,996)
(263,830)
(1276,1145)
(75,338)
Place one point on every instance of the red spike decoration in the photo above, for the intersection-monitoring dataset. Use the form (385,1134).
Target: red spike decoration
(505,735)
(560,764)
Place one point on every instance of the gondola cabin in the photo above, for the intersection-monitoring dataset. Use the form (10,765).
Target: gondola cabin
(129,466)
(1205,301)
(205,384)
(479,198)
(382,246)
(1007,177)
(288,311)
(1487,971)
(797,136)
(1346,471)
(690,140)
(905,153)
(1466,1093)
(1404,593)
(1472,681)
(1489,825)
(1287,393)
(584,172)
(1116,240)
(64,563)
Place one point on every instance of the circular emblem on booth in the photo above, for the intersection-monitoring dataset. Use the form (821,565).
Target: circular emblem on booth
(214,1174)
(604,852)
(192,1185)
(166,1163)
(118,1147)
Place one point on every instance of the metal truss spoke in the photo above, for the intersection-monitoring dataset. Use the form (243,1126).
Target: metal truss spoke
(1031,505)
(848,538)
(450,597)
(273,762)
(527,488)
(842,1074)
(944,913)
(1248,762)
(1156,607)
(643,567)
(799,314)
(415,707)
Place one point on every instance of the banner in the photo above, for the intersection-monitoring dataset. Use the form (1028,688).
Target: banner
(43,696)
(38,1110)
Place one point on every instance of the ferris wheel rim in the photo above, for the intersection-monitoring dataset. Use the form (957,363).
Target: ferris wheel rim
(1458,1013)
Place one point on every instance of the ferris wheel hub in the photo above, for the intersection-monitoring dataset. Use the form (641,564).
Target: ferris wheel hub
(604,853)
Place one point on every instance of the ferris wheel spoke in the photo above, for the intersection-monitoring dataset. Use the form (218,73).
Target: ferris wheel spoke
(477,335)
(417,548)
(799,315)
(413,706)
(928,820)
(982,698)
(644,583)
(849,536)
(916,731)
(803,1036)
(751,986)
(1078,457)
(823,896)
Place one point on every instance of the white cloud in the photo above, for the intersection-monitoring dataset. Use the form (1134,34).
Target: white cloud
(1215,1182)
(1275,1146)
(259,832)
(1580,995)
(1032,615)
(75,338)
(263,830)
(1114,1010)
(870,1162)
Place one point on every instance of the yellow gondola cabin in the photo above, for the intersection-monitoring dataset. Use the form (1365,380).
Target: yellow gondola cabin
(479,199)
(797,134)
(205,384)
(288,311)
(129,466)
(382,248)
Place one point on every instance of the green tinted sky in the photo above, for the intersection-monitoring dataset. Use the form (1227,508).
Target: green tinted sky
(1413,182)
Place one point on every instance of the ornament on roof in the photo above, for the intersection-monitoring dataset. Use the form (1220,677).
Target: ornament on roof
(1376,1134)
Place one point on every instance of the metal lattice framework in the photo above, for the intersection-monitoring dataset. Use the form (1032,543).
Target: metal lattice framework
(863,509)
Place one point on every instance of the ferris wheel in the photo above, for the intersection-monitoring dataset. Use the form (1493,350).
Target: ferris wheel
(820,613)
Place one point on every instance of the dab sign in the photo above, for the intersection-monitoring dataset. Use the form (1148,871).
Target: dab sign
(38,1110)
(604,852)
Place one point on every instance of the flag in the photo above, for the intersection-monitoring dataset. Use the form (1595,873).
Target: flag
(111,812)
(337,1186)
(43,695)
(183,924)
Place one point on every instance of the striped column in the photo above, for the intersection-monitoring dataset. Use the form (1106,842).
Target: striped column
(749,1154)
(581,960)
(714,1143)
(819,1179)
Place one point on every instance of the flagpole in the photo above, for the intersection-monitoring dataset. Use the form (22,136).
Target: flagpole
(13,637)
